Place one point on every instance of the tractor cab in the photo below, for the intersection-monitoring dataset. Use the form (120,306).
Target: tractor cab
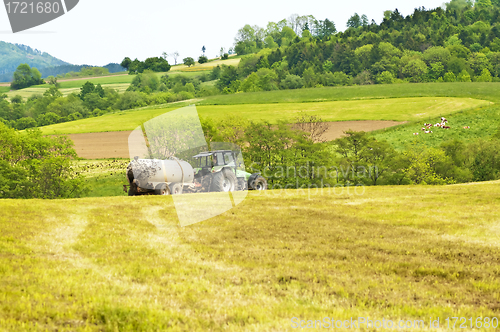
(209,162)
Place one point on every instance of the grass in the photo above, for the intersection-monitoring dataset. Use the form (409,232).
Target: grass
(28,92)
(123,263)
(104,178)
(403,109)
(206,66)
(484,91)
(483,124)
(121,79)
(4,89)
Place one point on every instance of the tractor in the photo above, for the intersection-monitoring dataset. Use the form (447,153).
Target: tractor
(214,171)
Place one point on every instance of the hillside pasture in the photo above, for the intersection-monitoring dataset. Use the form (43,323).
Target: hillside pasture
(476,90)
(402,109)
(232,61)
(124,264)
(28,92)
(118,82)
(483,124)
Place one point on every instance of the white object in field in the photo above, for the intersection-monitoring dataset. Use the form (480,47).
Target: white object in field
(160,171)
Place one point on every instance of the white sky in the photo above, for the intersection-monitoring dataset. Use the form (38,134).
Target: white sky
(98,32)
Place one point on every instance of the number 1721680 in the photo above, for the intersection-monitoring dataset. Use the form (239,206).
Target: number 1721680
(32,7)
(463,323)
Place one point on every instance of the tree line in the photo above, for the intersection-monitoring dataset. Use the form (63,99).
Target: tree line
(93,100)
(294,155)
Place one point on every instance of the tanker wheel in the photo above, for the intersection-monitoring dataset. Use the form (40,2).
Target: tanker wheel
(259,183)
(162,189)
(224,181)
(131,191)
(176,188)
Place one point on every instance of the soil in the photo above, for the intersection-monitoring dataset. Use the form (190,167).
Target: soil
(115,144)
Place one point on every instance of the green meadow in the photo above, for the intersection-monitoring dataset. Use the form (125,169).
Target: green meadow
(124,264)
(483,91)
(483,123)
(401,109)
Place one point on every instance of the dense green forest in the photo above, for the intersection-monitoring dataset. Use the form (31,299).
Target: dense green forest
(458,43)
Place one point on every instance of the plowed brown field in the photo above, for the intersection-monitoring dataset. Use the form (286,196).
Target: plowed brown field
(115,144)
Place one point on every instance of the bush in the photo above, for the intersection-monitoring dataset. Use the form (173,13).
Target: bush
(485,76)
(464,76)
(225,56)
(363,78)
(292,82)
(74,116)
(186,95)
(385,77)
(206,91)
(450,77)
(251,83)
(204,77)
(215,74)
(25,123)
(160,98)
(202,59)
(130,99)
(340,78)
(48,119)
(145,82)
(37,166)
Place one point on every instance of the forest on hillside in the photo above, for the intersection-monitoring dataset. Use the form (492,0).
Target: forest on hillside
(460,42)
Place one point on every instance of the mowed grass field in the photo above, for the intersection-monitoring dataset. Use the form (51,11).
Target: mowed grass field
(124,264)
(402,109)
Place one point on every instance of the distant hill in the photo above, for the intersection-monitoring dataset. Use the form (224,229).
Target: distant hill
(61,70)
(12,55)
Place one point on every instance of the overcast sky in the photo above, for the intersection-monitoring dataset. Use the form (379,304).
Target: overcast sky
(98,32)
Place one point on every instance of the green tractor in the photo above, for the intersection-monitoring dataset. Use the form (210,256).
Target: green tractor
(221,171)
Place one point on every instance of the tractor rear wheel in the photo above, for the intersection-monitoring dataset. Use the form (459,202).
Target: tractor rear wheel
(224,181)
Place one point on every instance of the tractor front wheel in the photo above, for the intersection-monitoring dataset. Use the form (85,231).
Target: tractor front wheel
(259,183)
